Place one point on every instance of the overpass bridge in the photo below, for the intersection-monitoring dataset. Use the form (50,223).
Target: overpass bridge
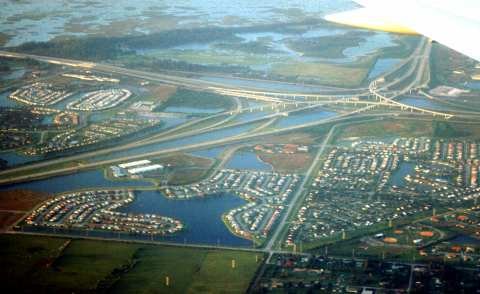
(284,99)
(406,107)
(284,95)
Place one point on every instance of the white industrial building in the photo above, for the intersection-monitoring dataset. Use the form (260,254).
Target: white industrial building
(143,169)
(134,163)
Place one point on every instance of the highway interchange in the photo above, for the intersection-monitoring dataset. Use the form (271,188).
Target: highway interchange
(378,101)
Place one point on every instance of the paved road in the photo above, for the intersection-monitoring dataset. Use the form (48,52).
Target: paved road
(155,139)
(297,196)
(151,76)
(6,179)
(169,135)
(40,174)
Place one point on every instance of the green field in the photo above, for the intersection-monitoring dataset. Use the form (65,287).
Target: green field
(197,99)
(328,73)
(213,57)
(189,271)
(411,128)
(55,265)
(390,127)
(328,46)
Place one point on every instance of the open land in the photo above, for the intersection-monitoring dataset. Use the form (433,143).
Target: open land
(297,155)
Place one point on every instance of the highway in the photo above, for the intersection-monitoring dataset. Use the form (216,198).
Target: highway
(149,76)
(44,164)
(169,135)
(385,89)
(165,137)
(40,169)
(302,188)
(417,67)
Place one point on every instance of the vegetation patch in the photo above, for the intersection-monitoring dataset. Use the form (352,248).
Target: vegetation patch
(327,73)
(84,264)
(248,47)
(217,275)
(188,271)
(328,46)
(449,67)
(20,199)
(442,129)
(187,176)
(290,163)
(195,99)
(160,93)
(58,265)
(295,138)
(23,257)
(407,128)
(8,218)
(3,39)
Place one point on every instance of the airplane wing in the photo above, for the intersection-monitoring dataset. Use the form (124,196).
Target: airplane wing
(456,24)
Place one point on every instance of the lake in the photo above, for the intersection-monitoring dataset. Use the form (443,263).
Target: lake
(202,216)
(404,169)
(247,160)
(44,20)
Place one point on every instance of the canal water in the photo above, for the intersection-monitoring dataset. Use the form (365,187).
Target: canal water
(17,159)
(249,116)
(210,136)
(83,180)
(474,85)
(303,118)
(465,240)
(381,66)
(7,102)
(193,110)
(404,169)
(13,158)
(420,102)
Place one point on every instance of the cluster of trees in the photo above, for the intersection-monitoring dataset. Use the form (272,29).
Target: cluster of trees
(443,129)
(18,118)
(111,48)
(328,46)
(102,48)
(4,67)
(92,48)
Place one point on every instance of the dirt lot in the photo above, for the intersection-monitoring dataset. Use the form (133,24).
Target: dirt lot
(288,162)
(20,199)
(14,204)
(7,219)
(183,160)
(294,138)
(161,93)
(388,128)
